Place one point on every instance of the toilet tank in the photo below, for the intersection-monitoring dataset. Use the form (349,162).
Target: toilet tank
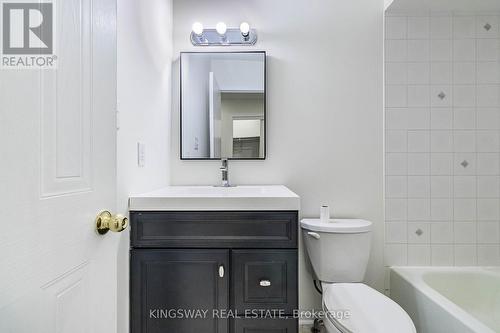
(338,250)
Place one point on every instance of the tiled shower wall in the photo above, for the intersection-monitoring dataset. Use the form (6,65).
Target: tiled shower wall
(442,139)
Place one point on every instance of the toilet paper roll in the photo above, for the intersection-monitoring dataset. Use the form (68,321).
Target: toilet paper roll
(324,213)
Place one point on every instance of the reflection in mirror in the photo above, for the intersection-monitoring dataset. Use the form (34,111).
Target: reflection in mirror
(223,105)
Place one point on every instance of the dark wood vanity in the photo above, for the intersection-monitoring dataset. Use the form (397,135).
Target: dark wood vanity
(239,268)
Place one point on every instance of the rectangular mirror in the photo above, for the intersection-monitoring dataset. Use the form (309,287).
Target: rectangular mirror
(223,105)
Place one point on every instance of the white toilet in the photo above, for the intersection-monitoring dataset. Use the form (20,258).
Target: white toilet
(339,252)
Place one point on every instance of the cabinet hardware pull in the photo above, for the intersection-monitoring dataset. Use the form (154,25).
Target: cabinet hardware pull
(221,271)
(265,283)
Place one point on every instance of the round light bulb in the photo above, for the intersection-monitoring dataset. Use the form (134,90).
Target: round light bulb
(197,28)
(221,28)
(245,29)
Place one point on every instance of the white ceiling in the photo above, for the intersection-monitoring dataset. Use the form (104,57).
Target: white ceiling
(444,5)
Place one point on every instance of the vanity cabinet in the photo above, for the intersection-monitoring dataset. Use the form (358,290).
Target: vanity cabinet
(239,262)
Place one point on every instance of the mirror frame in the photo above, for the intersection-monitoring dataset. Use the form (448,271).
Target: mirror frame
(180,108)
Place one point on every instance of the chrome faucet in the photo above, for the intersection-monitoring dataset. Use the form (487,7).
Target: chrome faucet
(224,173)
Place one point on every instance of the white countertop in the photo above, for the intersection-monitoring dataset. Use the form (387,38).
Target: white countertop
(255,197)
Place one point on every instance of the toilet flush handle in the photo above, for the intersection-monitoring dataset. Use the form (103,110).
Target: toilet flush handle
(314,234)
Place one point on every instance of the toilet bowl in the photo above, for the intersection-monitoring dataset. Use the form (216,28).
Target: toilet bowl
(339,251)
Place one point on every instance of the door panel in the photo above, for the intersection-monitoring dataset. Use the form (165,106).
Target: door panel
(178,279)
(57,129)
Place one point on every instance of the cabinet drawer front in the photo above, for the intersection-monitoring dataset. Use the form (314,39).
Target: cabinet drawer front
(264,279)
(289,325)
(214,229)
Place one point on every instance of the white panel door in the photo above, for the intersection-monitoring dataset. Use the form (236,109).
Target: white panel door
(57,171)
(214,116)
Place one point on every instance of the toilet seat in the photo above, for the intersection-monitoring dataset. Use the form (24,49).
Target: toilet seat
(370,311)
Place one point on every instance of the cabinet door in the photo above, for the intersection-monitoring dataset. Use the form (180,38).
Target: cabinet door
(288,325)
(167,284)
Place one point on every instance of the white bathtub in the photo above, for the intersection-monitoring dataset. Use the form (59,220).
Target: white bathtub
(449,299)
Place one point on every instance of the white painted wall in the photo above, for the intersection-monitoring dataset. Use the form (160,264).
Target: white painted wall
(325,107)
(144,102)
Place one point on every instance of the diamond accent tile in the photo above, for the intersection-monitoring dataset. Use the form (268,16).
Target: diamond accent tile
(442,95)
(464,163)
(419,232)
(487,27)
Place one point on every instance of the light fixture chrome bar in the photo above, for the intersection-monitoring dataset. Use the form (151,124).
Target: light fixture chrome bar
(210,37)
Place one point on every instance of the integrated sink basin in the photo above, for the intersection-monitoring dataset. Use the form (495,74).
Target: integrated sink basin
(196,198)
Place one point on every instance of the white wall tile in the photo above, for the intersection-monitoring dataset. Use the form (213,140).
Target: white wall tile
(419,233)
(464,232)
(488,232)
(488,210)
(441,118)
(441,141)
(396,254)
(488,73)
(464,73)
(464,186)
(487,164)
(418,141)
(488,96)
(419,210)
(442,255)
(418,164)
(488,186)
(395,209)
(419,186)
(492,22)
(396,186)
(488,118)
(464,27)
(396,73)
(488,255)
(418,73)
(396,164)
(469,168)
(441,96)
(441,209)
(395,27)
(442,233)
(396,50)
(464,50)
(419,254)
(418,27)
(441,186)
(395,141)
(488,141)
(441,73)
(464,141)
(441,164)
(487,50)
(396,96)
(464,96)
(396,232)
(464,209)
(441,27)
(418,50)
(396,118)
(441,50)
(418,96)
(465,255)
(418,118)
(464,118)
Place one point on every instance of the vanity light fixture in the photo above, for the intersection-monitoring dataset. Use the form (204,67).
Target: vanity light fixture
(197,28)
(221,28)
(222,35)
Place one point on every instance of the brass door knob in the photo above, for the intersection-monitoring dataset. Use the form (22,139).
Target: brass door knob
(106,221)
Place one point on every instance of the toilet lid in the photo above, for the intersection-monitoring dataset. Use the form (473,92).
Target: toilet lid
(370,311)
(338,226)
